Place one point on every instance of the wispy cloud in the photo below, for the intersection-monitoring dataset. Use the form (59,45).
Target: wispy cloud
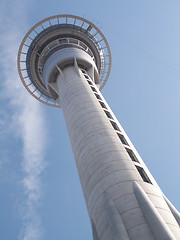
(27,120)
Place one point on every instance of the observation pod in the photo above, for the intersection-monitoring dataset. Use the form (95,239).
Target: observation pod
(64,61)
(55,43)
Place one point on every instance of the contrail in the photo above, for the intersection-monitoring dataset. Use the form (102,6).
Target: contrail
(27,119)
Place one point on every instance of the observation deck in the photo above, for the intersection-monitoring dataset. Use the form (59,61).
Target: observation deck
(54,35)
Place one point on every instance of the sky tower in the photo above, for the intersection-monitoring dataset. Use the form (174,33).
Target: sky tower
(64,61)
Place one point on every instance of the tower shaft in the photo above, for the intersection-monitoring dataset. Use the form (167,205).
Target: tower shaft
(108,167)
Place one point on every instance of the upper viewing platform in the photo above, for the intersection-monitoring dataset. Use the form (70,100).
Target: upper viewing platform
(70,37)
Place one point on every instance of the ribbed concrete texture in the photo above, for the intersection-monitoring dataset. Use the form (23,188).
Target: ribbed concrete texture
(117,188)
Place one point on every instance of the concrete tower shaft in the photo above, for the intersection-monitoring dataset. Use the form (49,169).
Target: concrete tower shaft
(123,199)
(67,65)
(63,58)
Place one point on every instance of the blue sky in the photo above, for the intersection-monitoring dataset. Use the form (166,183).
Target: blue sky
(40,193)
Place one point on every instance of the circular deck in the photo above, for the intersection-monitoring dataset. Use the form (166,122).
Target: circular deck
(52,34)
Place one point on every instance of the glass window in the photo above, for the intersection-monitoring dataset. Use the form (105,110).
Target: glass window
(102,105)
(132,155)
(143,174)
(122,138)
(108,114)
(93,89)
(90,83)
(115,126)
(98,97)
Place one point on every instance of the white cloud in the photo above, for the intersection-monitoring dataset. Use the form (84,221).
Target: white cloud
(27,122)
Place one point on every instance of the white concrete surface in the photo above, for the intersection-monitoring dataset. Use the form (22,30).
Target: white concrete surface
(106,170)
